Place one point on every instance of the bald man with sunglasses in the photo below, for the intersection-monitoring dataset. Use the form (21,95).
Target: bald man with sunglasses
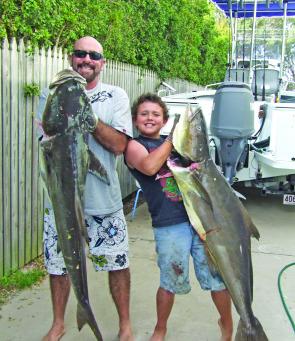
(104,216)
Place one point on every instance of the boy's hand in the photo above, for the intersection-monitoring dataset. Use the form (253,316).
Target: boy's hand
(170,136)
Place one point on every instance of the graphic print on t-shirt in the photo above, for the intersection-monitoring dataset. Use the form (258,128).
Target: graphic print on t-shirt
(100,96)
(168,184)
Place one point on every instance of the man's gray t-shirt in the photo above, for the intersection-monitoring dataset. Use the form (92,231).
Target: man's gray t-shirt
(111,105)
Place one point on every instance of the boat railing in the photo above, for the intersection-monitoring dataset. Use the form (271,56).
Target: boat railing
(237,75)
(213,85)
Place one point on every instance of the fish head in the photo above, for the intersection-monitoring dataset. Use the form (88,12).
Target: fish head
(67,105)
(190,138)
(65,75)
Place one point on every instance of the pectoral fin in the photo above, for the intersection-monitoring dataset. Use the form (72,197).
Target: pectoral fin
(96,168)
(249,223)
(200,205)
(80,217)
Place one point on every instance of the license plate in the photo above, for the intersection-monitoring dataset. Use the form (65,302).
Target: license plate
(289,199)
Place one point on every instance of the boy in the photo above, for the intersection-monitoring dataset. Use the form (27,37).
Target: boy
(175,238)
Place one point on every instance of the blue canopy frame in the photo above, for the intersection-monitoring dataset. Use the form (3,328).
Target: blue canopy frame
(265,8)
(237,9)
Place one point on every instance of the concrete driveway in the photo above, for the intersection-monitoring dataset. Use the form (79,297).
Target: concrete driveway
(27,316)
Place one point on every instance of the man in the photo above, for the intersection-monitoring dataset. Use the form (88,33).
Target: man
(103,203)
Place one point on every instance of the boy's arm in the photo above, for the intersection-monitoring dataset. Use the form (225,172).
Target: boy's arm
(147,163)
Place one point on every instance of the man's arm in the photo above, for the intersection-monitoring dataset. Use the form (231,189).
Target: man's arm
(114,134)
(110,138)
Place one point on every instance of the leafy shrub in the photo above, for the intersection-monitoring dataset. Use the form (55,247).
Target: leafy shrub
(177,39)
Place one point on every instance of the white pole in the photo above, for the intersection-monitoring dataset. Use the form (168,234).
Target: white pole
(252,41)
(283,42)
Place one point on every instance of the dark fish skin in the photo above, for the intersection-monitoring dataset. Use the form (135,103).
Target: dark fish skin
(67,106)
(67,118)
(218,216)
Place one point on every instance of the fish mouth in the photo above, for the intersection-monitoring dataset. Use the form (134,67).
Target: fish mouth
(65,76)
(195,114)
(178,161)
(46,138)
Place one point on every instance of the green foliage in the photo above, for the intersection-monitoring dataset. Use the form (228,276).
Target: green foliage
(21,279)
(182,39)
(31,90)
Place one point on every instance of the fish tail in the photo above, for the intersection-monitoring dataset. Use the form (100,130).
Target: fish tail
(86,316)
(250,332)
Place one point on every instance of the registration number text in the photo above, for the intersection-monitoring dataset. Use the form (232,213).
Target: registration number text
(289,199)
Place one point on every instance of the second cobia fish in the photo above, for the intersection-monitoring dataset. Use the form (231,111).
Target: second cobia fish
(218,216)
(67,120)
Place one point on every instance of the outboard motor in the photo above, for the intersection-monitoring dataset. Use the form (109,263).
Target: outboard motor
(232,123)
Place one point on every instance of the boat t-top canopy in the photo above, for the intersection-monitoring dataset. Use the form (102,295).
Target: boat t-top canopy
(237,9)
(263,8)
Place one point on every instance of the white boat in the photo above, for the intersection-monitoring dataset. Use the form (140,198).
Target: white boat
(251,149)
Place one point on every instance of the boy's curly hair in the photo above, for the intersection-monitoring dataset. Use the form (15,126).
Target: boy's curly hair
(149,97)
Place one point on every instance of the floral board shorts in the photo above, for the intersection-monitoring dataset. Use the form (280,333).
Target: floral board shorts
(174,245)
(108,243)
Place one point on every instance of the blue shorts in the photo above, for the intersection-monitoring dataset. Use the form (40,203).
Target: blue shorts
(174,244)
(108,243)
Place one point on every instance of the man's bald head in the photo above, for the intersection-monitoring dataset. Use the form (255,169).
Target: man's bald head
(91,43)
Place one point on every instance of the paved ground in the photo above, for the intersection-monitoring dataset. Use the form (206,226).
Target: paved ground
(28,315)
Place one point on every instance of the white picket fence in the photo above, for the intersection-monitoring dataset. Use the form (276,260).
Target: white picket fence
(21,191)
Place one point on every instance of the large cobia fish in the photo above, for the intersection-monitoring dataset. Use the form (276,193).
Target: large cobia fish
(218,216)
(67,120)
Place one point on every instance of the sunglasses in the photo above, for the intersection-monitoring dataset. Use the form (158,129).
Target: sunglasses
(92,54)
